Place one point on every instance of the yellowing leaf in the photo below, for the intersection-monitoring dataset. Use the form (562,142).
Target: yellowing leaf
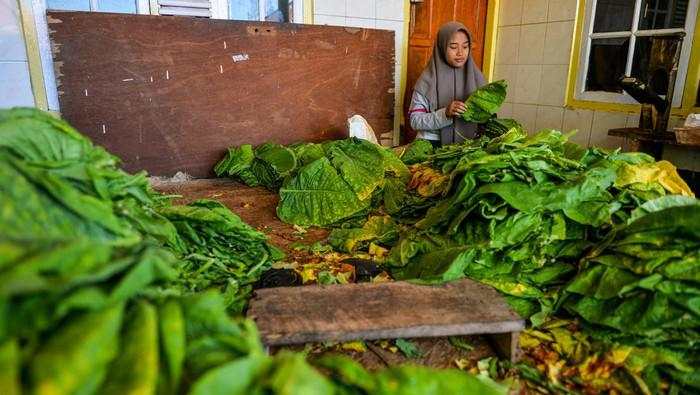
(377,251)
(618,355)
(462,363)
(308,274)
(662,172)
(358,346)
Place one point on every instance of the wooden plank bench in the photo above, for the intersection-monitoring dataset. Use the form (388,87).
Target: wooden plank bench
(369,311)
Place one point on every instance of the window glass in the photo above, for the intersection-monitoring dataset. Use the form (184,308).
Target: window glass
(613,15)
(663,14)
(606,64)
(277,10)
(652,61)
(244,10)
(68,5)
(124,6)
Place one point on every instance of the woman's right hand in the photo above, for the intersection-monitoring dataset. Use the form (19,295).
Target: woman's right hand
(455,108)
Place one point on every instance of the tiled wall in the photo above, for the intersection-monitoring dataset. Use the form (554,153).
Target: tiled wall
(375,14)
(15,86)
(534,41)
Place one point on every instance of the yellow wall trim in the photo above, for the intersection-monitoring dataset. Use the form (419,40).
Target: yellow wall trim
(308,12)
(399,118)
(490,40)
(36,73)
(690,85)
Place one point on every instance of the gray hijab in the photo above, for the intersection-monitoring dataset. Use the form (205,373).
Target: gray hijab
(441,83)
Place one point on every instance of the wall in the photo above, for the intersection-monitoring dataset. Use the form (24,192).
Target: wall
(533,50)
(15,86)
(375,14)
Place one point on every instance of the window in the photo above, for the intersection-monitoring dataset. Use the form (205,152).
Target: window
(123,6)
(632,38)
(266,10)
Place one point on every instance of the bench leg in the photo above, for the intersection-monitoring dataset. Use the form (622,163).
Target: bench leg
(506,345)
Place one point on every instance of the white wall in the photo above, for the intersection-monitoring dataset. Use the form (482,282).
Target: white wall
(375,14)
(15,85)
(534,41)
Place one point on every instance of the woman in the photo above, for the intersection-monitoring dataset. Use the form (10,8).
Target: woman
(439,95)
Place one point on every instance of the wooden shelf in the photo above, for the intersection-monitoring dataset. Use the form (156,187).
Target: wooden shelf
(684,137)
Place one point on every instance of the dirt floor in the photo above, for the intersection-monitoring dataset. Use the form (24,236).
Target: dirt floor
(257,206)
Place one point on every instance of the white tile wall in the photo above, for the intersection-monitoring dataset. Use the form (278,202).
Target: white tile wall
(510,12)
(580,120)
(531,45)
(527,86)
(330,7)
(526,114)
(602,122)
(332,20)
(507,45)
(360,22)
(390,9)
(549,118)
(534,11)
(561,10)
(506,111)
(15,86)
(361,8)
(374,14)
(509,73)
(553,85)
(557,46)
(11,38)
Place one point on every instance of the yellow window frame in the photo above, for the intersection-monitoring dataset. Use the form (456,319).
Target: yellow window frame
(690,86)
(692,81)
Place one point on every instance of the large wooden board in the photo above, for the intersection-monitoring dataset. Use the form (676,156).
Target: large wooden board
(169,94)
(293,315)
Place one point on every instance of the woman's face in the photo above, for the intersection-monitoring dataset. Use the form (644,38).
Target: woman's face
(458,49)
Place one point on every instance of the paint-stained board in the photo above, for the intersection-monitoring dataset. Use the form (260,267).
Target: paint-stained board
(295,315)
(170,94)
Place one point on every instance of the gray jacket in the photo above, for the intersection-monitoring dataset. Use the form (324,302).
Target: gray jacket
(425,122)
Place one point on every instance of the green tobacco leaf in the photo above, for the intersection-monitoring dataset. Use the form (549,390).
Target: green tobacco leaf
(237,163)
(233,378)
(347,371)
(10,367)
(418,380)
(292,375)
(77,352)
(272,163)
(483,103)
(418,151)
(318,195)
(135,370)
(359,163)
(381,230)
(408,348)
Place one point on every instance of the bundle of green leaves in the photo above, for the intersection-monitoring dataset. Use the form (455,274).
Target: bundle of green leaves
(108,288)
(320,184)
(520,213)
(641,285)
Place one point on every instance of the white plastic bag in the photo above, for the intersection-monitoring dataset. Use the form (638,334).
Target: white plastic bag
(693,121)
(359,127)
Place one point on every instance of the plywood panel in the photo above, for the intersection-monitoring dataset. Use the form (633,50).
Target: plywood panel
(171,93)
(292,315)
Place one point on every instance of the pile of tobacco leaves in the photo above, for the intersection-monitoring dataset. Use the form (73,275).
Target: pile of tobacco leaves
(606,240)
(106,287)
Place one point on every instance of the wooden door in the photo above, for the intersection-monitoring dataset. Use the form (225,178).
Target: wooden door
(426,18)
